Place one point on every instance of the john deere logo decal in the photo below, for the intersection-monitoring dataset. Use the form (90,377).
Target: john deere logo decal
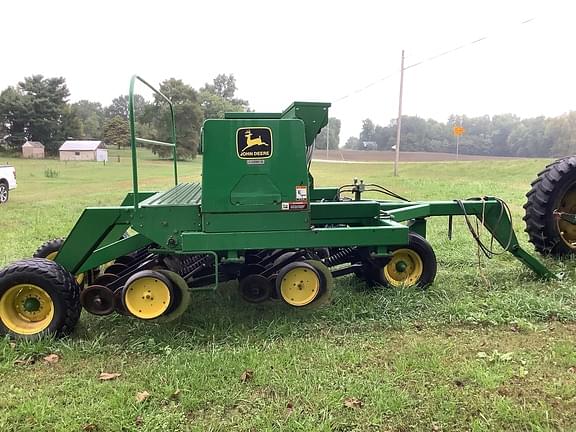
(254,143)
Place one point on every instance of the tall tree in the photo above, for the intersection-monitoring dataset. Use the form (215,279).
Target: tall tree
(352,143)
(218,98)
(562,131)
(189,117)
(334,127)
(119,107)
(91,117)
(14,109)
(37,110)
(529,138)
(116,132)
(368,131)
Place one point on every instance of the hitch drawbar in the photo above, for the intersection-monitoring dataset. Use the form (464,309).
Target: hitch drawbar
(492,212)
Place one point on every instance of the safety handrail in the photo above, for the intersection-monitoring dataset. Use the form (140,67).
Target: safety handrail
(134,139)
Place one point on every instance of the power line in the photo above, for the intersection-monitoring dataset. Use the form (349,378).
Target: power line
(426,60)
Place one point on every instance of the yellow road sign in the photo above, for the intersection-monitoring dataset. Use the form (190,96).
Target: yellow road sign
(458,130)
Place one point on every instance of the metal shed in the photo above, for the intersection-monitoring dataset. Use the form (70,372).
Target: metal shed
(83,151)
(33,150)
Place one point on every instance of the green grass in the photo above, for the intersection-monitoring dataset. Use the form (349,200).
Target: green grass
(486,348)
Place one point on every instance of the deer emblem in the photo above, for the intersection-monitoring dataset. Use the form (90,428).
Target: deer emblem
(251,142)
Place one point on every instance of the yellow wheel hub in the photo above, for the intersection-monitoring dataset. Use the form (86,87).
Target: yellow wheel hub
(26,309)
(404,269)
(300,286)
(566,229)
(147,297)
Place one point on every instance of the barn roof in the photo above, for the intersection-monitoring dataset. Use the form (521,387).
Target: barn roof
(33,144)
(81,145)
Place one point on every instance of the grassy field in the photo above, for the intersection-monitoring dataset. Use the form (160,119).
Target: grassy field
(487,348)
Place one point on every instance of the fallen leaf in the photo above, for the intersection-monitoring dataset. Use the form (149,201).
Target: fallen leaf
(289,408)
(175,395)
(246,376)
(107,376)
(572,369)
(436,428)
(12,345)
(52,358)
(353,402)
(90,427)
(138,421)
(142,396)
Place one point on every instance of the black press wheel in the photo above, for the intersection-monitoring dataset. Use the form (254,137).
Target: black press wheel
(553,190)
(255,288)
(38,297)
(4,192)
(413,265)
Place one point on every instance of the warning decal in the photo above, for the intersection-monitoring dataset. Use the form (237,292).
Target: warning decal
(301,193)
(294,205)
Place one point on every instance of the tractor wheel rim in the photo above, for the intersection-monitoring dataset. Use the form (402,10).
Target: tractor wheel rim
(26,309)
(566,229)
(147,298)
(300,286)
(404,269)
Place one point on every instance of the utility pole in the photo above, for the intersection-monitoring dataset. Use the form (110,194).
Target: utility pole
(457,147)
(458,131)
(327,136)
(399,122)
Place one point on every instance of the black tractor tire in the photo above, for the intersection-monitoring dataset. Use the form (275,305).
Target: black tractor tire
(4,192)
(48,248)
(418,249)
(53,280)
(549,192)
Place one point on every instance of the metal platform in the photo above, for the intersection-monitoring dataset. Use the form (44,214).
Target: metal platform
(184,194)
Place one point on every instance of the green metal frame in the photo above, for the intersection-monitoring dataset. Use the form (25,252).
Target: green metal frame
(487,209)
(174,221)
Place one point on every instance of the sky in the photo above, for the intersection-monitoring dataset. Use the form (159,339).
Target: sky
(311,50)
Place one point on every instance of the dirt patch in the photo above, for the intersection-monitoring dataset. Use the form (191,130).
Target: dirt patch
(388,156)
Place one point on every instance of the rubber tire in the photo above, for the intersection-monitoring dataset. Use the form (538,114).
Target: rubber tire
(420,245)
(154,274)
(183,298)
(57,282)
(326,294)
(4,189)
(49,247)
(55,245)
(293,265)
(543,198)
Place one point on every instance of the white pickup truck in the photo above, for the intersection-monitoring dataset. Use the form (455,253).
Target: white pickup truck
(7,181)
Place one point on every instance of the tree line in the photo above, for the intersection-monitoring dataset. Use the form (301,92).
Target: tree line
(499,135)
(37,109)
